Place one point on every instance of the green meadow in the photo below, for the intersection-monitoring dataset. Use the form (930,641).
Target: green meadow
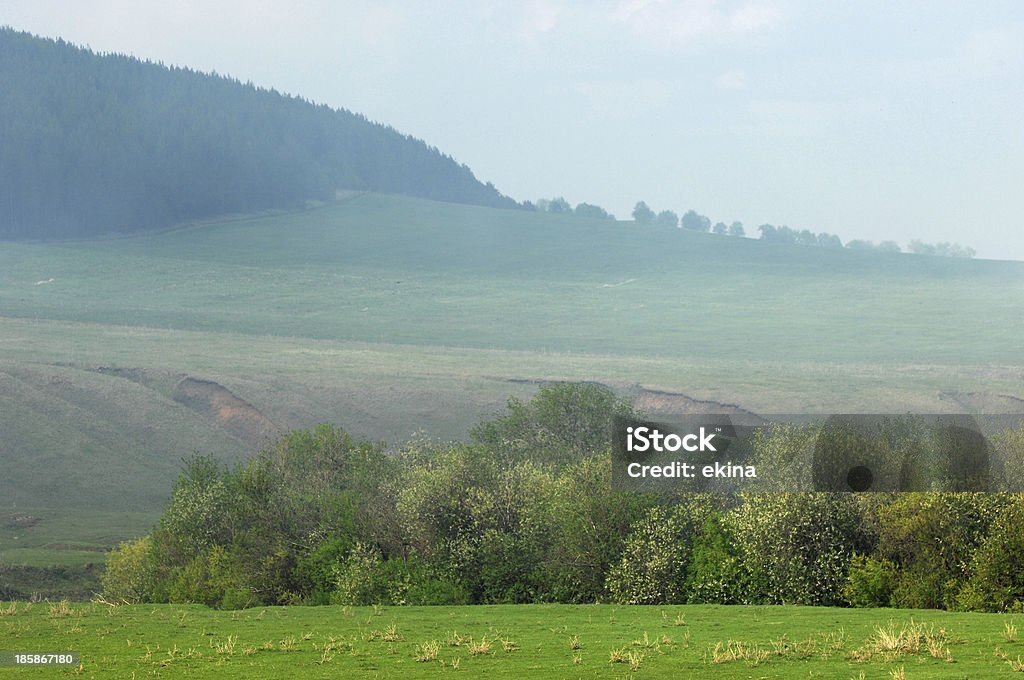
(534,641)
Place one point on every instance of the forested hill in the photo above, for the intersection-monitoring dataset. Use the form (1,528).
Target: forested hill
(93,144)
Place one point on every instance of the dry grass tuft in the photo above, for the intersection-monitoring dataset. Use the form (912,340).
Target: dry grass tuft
(478,648)
(735,650)
(427,651)
(228,646)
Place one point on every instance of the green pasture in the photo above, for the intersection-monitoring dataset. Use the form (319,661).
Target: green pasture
(405,271)
(534,641)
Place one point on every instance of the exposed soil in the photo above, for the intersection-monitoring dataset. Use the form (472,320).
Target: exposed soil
(985,402)
(218,403)
(656,402)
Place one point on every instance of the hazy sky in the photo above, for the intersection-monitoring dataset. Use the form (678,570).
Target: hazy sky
(874,120)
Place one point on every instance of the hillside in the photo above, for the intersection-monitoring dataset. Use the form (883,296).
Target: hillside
(97,144)
(390,315)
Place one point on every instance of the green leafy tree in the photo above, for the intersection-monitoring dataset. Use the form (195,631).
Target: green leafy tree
(829,241)
(871,582)
(589,524)
(559,206)
(561,424)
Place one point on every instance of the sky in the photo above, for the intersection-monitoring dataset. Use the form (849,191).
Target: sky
(867,119)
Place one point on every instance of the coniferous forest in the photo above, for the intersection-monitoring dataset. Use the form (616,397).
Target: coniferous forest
(104,143)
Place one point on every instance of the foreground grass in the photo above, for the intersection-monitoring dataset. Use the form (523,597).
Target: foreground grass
(556,641)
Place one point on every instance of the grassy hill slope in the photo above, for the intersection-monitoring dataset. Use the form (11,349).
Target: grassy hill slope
(391,315)
(382,268)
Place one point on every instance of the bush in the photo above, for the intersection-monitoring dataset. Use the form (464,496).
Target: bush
(716,574)
(931,538)
(130,575)
(361,579)
(997,569)
(316,572)
(213,578)
(366,578)
(797,546)
(654,561)
(589,524)
(871,582)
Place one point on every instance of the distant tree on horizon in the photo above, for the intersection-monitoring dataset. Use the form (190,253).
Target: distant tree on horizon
(773,234)
(642,214)
(559,206)
(826,240)
(694,221)
(593,211)
(944,249)
(806,238)
(667,218)
(860,244)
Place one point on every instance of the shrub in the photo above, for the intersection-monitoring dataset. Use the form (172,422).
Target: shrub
(213,578)
(130,575)
(871,582)
(361,579)
(931,538)
(589,524)
(716,573)
(316,571)
(796,546)
(654,561)
(997,570)
(364,577)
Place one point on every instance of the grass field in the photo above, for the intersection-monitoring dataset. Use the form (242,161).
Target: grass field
(392,316)
(531,641)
